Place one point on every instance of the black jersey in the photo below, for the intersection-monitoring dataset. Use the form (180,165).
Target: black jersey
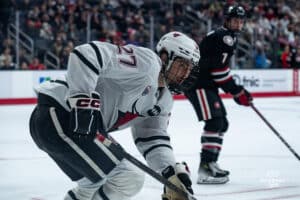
(216,49)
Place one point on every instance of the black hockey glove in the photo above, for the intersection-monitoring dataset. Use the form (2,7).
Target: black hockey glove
(179,175)
(243,97)
(85,115)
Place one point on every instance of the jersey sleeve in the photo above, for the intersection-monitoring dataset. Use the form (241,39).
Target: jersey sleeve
(151,136)
(223,78)
(86,63)
(153,141)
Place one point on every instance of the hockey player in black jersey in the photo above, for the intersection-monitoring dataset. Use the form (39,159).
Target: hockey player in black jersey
(213,73)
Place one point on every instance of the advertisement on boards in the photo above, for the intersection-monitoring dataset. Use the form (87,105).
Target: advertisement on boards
(5,84)
(20,84)
(41,76)
(265,80)
(298,81)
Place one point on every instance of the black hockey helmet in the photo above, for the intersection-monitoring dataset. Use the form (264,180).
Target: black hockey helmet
(235,11)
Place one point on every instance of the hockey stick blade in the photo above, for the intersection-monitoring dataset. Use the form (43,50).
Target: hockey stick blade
(275,132)
(117,148)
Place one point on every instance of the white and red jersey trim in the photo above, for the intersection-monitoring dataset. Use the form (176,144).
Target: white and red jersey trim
(206,113)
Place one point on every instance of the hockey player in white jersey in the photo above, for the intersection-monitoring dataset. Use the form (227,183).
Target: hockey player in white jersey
(107,88)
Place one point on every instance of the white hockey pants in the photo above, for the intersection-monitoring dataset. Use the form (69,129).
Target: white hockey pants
(123,182)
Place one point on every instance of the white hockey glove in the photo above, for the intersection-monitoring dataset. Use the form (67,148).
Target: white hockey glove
(179,175)
(85,116)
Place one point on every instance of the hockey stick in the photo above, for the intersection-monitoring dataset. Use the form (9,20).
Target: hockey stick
(117,148)
(276,132)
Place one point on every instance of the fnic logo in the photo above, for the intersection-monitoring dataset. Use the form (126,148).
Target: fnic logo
(246,81)
(44,78)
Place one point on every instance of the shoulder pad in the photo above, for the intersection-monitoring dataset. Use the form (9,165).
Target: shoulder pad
(222,31)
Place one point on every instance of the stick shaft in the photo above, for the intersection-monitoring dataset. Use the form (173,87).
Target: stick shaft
(117,149)
(155,175)
(276,132)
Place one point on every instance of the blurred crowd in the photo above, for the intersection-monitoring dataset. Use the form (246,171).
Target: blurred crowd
(272,27)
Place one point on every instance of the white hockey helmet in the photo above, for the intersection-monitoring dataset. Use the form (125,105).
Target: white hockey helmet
(177,44)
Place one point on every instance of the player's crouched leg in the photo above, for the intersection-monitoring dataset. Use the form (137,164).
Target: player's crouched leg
(125,181)
(85,190)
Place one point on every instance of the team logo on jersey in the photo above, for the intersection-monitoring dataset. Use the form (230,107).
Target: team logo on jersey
(217,105)
(227,39)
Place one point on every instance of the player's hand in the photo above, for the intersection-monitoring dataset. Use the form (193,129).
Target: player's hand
(85,114)
(178,175)
(243,98)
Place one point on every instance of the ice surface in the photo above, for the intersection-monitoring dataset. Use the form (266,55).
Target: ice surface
(262,168)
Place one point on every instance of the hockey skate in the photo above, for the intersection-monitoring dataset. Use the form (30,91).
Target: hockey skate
(210,173)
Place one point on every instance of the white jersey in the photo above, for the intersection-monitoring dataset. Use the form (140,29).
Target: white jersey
(126,77)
